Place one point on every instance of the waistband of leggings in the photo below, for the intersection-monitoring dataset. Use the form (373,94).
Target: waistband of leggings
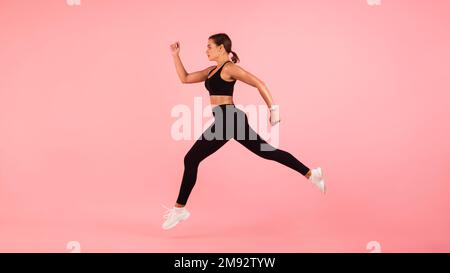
(224,105)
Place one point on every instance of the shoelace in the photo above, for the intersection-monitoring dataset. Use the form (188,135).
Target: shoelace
(170,212)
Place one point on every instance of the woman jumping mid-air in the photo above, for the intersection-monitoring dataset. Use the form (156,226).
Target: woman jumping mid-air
(229,121)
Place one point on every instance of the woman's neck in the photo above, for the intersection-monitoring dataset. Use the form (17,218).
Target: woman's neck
(221,62)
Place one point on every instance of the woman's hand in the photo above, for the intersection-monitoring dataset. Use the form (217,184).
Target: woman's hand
(175,48)
(274,114)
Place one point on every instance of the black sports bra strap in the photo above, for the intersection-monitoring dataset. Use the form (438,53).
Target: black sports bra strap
(225,63)
(216,67)
(211,70)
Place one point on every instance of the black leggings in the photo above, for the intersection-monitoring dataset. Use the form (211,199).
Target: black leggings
(229,122)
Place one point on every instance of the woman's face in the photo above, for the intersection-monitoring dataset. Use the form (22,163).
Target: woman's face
(212,50)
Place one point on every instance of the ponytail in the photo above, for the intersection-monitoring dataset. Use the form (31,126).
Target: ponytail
(235,57)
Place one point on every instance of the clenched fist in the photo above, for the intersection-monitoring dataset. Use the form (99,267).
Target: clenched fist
(175,48)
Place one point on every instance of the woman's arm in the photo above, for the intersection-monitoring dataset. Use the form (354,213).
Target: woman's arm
(175,50)
(182,74)
(238,73)
(194,77)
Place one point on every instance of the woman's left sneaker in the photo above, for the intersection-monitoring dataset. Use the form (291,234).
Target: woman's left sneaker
(173,216)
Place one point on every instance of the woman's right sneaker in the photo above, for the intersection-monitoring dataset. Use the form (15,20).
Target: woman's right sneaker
(173,216)
(317,179)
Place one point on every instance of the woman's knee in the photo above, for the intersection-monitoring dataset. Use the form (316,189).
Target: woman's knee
(190,160)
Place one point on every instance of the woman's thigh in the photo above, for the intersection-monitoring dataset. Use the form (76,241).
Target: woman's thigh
(205,145)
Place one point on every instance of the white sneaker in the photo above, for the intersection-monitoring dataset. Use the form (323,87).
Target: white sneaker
(173,216)
(317,179)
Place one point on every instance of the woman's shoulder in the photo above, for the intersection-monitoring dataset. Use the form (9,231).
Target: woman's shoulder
(230,69)
(230,64)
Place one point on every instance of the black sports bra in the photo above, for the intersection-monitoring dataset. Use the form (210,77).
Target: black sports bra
(218,86)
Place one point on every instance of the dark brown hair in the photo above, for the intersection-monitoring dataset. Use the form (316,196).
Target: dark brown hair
(223,39)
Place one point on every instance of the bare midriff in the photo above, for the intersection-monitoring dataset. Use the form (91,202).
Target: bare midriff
(217,100)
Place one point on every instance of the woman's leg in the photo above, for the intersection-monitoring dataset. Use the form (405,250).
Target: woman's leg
(270,152)
(202,148)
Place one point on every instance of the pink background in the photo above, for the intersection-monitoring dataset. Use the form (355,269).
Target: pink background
(86,152)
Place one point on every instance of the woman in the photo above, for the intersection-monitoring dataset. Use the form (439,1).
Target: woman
(227,117)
